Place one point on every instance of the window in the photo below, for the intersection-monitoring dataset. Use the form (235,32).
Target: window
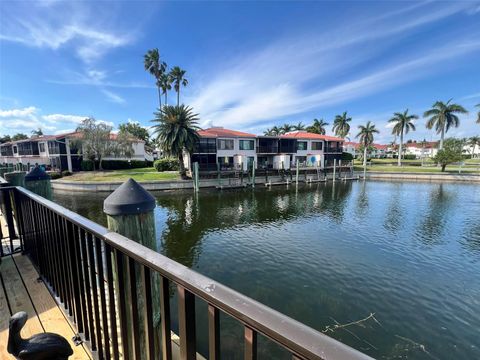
(247,145)
(225,162)
(225,144)
(15,149)
(301,145)
(205,145)
(317,145)
(41,147)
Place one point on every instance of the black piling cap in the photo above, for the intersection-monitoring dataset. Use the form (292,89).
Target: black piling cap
(36,174)
(130,198)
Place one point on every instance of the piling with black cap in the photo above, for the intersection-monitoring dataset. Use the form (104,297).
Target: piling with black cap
(129,212)
(15,178)
(38,181)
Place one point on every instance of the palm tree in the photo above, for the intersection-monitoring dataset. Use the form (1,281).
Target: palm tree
(443,117)
(37,132)
(341,126)
(177,78)
(156,67)
(318,127)
(478,115)
(165,85)
(299,126)
(403,124)
(286,128)
(365,136)
(274,131)
(176,130)
(473,142)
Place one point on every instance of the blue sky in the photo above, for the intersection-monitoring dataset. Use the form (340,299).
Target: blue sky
(250,65)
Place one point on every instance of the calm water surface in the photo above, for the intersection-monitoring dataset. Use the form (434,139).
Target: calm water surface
(407,252)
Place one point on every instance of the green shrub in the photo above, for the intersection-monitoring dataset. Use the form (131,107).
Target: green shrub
(87,165)
(66,173)
(409,157)
(347,156)
(55,175)
(166,164)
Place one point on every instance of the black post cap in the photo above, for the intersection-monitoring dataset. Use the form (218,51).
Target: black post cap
(130,198)
(37,173)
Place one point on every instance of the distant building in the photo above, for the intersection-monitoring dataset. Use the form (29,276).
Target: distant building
(377,151)
(420,150)
(235,150)
(57,151)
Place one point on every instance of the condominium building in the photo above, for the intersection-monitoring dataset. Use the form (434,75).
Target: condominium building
(225,149)
(58,152)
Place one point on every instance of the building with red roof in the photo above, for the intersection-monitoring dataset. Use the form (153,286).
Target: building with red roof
(235,150)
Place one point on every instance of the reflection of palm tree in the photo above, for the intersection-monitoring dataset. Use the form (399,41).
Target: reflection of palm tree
(433,224)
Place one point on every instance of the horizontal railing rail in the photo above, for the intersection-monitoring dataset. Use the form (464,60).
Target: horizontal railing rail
(97,274)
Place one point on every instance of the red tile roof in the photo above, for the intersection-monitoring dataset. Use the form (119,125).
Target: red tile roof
(356,145)
(309,136)
(221,132)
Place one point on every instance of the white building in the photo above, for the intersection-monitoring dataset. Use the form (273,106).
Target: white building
(426,150)
(57,151)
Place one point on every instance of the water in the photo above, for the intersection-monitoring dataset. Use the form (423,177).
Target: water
(326,255)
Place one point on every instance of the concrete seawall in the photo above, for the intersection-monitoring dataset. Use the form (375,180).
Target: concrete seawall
(422,176)
(65,185)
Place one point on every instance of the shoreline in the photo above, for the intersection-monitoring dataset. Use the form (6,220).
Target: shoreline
(159,185)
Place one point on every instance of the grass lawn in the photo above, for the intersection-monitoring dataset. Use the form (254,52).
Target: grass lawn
(141,174)
(411,169)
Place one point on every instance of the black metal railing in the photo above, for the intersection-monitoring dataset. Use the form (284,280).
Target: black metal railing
(86,267)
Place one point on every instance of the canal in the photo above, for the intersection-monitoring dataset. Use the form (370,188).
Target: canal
(329,255)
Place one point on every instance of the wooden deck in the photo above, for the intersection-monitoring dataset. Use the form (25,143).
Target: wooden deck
(20,291)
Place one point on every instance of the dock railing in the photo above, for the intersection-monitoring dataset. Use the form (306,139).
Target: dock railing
(85,265)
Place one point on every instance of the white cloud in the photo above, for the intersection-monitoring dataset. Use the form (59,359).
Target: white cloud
(305,73)
(63,118)
(111,96)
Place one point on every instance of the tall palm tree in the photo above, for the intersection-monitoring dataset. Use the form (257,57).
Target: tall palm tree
(165,85)
(341,126)
(365,135)
(403,124)
(176,131)
(156,67)
(443,117)
(478,115)
(285,128)
(318,127)
(299,126)
(177,77)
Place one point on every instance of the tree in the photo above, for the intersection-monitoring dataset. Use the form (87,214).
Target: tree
(19,136)
(365,136)
(285,128)
(156,67)
(300,126)
(318,127)
(443,116)
(165,85)
(176,129)
(37,132)
(177,78)
(450,153)
(134,129)
(5,139)
(474,141)
(274,131)
(403,124)
(478,115)
(341,126)
(97,142)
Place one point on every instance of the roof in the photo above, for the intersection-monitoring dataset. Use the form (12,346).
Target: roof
(356,145)
(309,136)
(221,132)
(428,144)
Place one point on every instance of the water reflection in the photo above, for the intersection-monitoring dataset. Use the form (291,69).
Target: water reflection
(336,252)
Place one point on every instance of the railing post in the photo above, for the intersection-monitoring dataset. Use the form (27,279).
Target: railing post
(129,212)
(253,174)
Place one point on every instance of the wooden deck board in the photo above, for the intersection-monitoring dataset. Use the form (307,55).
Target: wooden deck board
(4,317)
(49,314)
